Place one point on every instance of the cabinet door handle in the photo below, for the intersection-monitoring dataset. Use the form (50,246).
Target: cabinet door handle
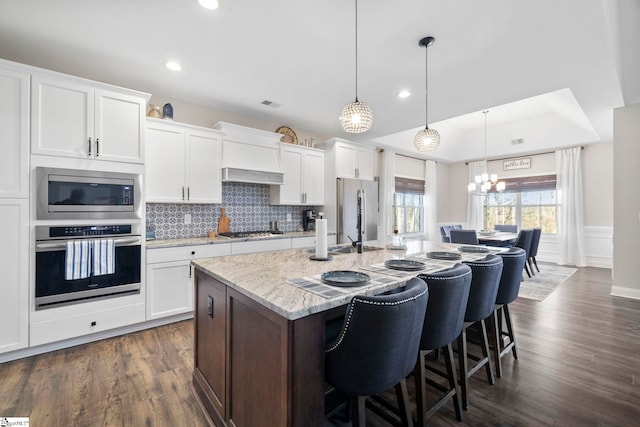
(183,192)
(89,146)
(97,147)
(305,197)
(210,306)
(190,271)
(188,193)
(357,172)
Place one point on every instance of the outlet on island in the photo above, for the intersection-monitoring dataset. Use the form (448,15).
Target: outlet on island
(288,217)
(187,218)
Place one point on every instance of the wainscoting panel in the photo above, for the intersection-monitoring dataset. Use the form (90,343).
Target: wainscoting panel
(598,247)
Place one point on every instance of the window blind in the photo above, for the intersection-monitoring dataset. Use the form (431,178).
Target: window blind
(411,186)
(528,183)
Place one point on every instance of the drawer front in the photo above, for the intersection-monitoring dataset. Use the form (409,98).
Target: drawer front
(303,242)
(88,323)
(185,253)
(260,246)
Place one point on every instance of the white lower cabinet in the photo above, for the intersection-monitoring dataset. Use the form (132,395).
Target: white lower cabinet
(14,285)
(170,277)
(72,325)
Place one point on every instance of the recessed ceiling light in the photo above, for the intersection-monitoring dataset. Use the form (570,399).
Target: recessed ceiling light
(404,94)
(209,4)
(173,66)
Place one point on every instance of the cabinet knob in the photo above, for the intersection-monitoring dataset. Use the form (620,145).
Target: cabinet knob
(94,323)
(193,252)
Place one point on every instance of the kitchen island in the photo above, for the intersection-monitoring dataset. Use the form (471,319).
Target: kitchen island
(260,329)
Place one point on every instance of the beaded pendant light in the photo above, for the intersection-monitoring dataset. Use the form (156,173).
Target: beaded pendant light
(356,116)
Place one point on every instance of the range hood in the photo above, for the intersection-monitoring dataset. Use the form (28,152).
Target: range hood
(250,155)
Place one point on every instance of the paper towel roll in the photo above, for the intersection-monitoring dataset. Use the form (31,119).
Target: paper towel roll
(321,238)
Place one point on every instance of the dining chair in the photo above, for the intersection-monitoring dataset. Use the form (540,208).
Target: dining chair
(448,295)
(509,228)
(524,242)
(445,231)
(514,261)
(533,251)
(485,279)
(377,348)
(468,237)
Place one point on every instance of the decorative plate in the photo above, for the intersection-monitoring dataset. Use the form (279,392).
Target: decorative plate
(344,278)
(404,264)
(289,136)
(474,249)
(449,256)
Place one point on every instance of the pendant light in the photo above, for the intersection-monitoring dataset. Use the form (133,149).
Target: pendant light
(356,116)
(484,181)
(427,139)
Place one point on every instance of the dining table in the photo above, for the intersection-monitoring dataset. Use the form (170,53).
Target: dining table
(497,238)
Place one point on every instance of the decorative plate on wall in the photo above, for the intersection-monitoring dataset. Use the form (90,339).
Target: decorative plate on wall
(289,136)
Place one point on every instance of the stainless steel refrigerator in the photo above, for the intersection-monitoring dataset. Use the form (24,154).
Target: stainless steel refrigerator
(357,201)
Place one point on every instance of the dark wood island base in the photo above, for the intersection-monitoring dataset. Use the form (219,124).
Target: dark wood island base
(254,367)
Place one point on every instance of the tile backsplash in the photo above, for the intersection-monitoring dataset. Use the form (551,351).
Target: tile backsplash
(247,206)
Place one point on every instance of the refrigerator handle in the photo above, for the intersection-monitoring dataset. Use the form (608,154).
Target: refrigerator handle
(364,214)
(339,196)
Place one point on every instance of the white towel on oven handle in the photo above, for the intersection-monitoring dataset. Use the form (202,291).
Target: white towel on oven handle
(78,259)
(103,257)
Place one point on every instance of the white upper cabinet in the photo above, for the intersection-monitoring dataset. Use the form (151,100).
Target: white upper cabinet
(71,118)
(303,170)
(14,133)
(352,160)
(183,163)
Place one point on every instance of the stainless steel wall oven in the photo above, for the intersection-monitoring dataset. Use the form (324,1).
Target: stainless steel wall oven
(53,287)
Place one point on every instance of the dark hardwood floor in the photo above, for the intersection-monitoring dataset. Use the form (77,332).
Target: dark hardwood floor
(579,365)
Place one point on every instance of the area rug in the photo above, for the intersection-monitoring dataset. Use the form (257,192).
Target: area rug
(546,281)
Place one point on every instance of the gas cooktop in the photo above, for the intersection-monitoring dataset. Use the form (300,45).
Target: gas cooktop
(260,233)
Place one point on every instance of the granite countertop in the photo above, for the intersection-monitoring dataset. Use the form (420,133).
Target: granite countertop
(169,243)
(265,277)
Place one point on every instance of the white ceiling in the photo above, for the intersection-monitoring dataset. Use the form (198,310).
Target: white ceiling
(549,71)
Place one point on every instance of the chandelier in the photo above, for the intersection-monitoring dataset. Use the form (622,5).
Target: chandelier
(427,139)
(356,116)
(483,182)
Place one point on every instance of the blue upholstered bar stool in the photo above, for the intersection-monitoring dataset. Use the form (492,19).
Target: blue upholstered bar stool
(514,261)
(485,279)
(377,347)
(448,294)
(467,237)
(524,242)
(533,250)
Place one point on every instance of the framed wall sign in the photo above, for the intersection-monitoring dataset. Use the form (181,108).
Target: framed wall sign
(511,164)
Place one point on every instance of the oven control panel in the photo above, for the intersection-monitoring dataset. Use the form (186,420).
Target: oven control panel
(71,231)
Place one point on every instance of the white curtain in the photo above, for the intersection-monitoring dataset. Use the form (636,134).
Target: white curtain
(570,218)
(387,188)
(475,208)
(430,201)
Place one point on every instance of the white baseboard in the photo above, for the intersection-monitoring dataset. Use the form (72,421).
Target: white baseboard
(619,291)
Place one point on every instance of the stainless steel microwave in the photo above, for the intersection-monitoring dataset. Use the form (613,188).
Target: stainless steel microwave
(86,194)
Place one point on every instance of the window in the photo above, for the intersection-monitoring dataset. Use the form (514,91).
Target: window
(527,202)
(408,206)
